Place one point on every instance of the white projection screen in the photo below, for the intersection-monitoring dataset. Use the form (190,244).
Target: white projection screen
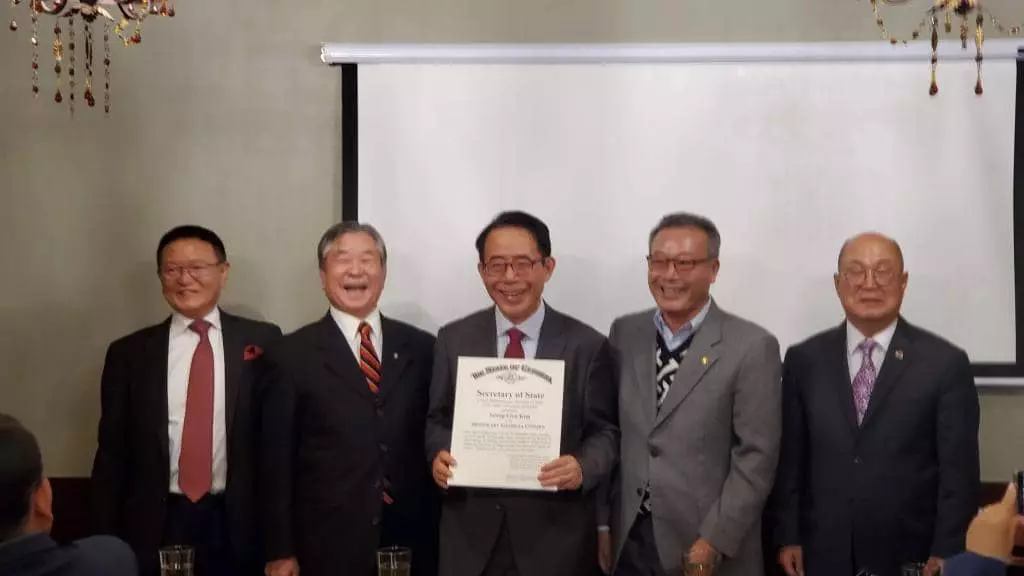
(788,155)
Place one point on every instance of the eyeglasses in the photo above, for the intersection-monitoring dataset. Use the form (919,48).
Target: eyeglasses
(195,270)
(660,264)
(856,276)
(521,266)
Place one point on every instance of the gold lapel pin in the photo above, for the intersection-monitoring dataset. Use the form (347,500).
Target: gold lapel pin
(704,360)
(899,354)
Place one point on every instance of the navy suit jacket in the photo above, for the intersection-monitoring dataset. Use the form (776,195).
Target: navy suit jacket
(971,564)
(39,555)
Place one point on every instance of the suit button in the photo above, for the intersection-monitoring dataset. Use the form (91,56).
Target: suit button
(857,460)
(655,452)
(383,447)
(376,521)
(380,412)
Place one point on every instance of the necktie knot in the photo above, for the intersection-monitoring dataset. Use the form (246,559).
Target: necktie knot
(365,329)
(201,327)
(867,346)
(515,335)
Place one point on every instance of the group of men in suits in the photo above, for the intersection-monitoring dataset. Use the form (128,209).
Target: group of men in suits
(305,453)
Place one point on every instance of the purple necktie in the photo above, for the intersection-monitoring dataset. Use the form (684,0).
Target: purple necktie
(864,381)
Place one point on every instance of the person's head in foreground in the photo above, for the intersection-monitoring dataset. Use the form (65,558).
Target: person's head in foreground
(26,502)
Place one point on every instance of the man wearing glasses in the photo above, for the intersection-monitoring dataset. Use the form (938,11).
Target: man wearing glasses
(174,464)
(879,464)
(699,408)
(507,532)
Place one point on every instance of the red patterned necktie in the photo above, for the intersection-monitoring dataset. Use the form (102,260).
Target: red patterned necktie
(368,361)
(195,463)
(370,365)
(515,344)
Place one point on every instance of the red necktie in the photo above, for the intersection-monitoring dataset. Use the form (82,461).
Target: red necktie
(515,344)
(368,361)
(195,463)
(370,366)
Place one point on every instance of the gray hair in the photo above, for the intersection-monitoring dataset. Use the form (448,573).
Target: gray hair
(350,227)
(688,220)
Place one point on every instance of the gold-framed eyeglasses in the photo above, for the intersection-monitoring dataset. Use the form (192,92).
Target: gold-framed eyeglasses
(196,270)
(660,264)
(857,276)
(497,267)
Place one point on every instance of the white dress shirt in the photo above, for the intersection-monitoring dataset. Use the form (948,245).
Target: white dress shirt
(181,347)
(855,357)
(349,326)
(529,327)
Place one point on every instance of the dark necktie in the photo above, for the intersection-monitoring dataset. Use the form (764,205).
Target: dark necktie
(195,463)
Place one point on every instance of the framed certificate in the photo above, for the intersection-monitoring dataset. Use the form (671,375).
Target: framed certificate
(507,421)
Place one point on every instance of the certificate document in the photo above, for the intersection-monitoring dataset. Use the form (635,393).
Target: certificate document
(507,421)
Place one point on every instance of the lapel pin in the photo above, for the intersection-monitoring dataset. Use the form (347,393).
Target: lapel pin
(704,360)
(899,354)
(395,356)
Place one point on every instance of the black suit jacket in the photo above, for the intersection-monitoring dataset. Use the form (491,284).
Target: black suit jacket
(39,555)
(901,487)
(131,470)
(552,534)
(329,444)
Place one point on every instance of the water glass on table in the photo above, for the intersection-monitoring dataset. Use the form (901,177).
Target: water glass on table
(394,561)
(176,561)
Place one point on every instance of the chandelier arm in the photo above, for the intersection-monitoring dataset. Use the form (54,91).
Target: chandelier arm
(130,12)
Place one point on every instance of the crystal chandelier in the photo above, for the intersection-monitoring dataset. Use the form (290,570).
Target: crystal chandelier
(946,11)
(83,14)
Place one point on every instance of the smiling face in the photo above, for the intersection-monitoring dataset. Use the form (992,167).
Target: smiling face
(871,282)
(680,273)
(353,274)
(192,276)
(514,272)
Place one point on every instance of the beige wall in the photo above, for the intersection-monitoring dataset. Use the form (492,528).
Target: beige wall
(227,118)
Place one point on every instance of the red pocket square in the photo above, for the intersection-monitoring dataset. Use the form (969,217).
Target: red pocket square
(252,351)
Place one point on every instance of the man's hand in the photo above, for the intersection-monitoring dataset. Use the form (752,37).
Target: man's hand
(703,553)
(284,567)
(564,473)
(933,567)
(992,531)
(604,551)
(442,468)
(791,558)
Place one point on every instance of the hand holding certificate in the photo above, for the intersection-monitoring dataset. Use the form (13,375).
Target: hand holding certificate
(507,425)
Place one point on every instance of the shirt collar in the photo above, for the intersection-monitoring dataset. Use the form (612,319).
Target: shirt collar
(689,327)
(529,327)
(349,324)
(180,323)
(883,338)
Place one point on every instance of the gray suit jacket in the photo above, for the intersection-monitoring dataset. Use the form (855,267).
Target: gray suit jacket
(710,452)
(552,534)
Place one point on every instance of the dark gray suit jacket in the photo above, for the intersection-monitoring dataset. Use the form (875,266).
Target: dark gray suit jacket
(900,487)
(39,555)
(552,534)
